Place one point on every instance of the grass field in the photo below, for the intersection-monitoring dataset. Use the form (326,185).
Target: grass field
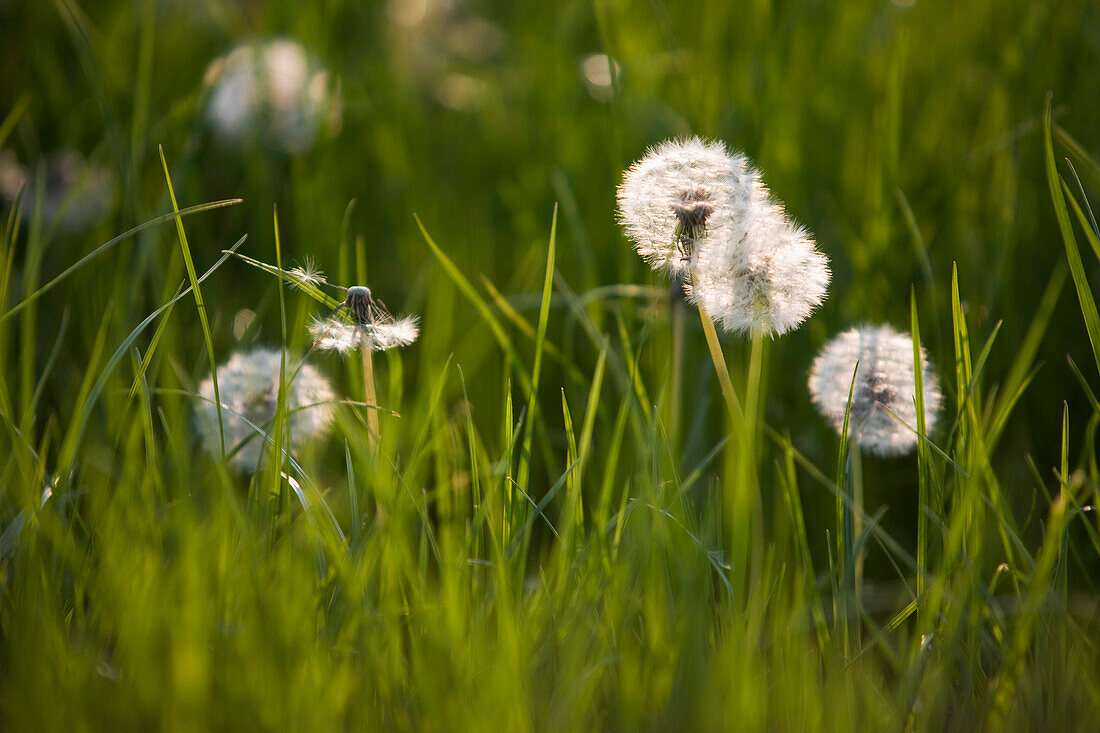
(562,526)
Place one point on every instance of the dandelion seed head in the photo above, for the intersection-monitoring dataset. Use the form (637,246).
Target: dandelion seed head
(885,383)
(361,306)
(704,214)
(274,91)
(768,283)
(74,191)
(682,193)
(249,387)
(372,326)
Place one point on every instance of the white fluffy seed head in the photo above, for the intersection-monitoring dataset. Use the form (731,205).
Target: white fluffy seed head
(885,383)
(384,336)
(700,212)
(249,387)
(768,283)
(274,91)
(307,274)
(681,194)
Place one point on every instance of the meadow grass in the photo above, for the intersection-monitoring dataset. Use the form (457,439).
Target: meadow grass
(569,518)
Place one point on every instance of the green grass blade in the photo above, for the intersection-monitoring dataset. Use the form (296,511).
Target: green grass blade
(199,304)
(11,119)
(467,289)
(176,215)
(1076,267)
(523,472)
(924,460)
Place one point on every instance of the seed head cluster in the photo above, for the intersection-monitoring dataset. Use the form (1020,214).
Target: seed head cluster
(885,383)
(369,326)
(696,210)
(249,387)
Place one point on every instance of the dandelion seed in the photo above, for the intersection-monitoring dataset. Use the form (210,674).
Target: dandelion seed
(249,388)
(273,91)
(372,327)
(884,384)
(307,274)
(703,214)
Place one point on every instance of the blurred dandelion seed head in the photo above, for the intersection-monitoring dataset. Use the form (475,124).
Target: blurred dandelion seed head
(249,387)
(885,383)
(272,91)
(75,193)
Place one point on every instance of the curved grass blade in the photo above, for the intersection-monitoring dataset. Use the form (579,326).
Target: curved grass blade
(174,215)
(199,304)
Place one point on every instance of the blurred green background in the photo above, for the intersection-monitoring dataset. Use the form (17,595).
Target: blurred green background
(906,135)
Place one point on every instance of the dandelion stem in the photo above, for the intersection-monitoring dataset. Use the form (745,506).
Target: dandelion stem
(743,496)
(857,517)
(371,398)
(679,311)
(847,556)
(753,389)
(719,360)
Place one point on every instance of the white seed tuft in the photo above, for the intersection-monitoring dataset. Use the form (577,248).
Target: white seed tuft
(249,387)
(703,214)
(307,274)
(680,194)
(371,326)
(884,384)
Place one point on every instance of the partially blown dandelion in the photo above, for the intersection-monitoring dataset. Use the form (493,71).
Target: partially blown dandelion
(372,328)
(249,388)
(702,213)
(883,415)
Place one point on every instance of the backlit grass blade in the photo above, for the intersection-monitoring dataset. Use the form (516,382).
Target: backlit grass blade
(79,425)
(175,215)
(523,472)
(289,276)
(467,289)
(1035,594)
(13,116)
(924,460)
(1076,267)
(199,304)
